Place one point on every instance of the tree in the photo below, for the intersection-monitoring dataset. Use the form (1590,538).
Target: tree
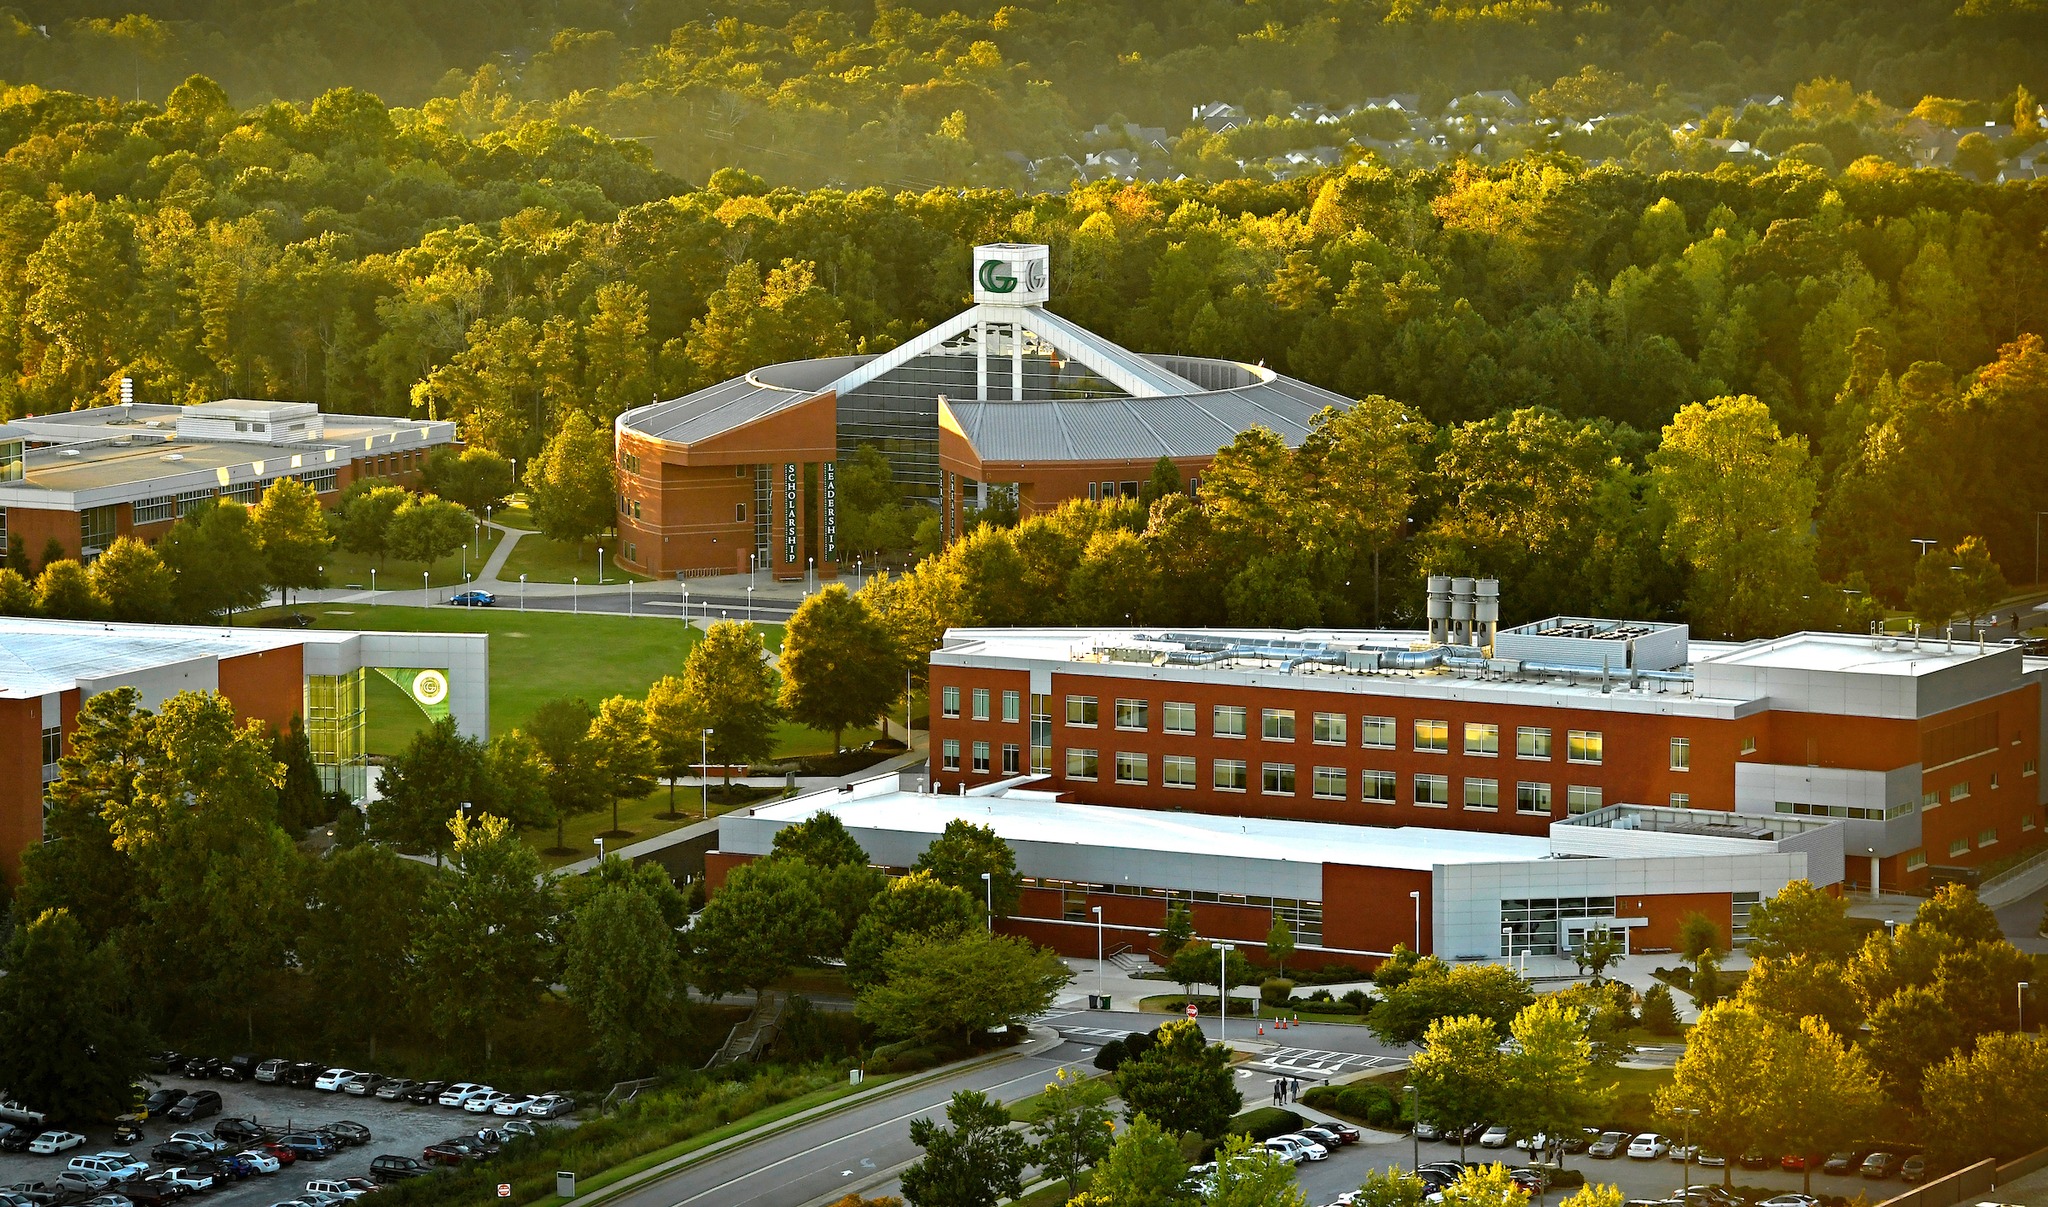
(216,558)
(1601,948)
(1074,1129)
(1741,501)
(293,534)
(623,753)
(1143,1168)
(1790,988)
(838,664)
(1550,1066)
(1164,481)
(1280,942)
(1955,911)
(77,867)
(731,691)
(1991,1101)
(1705,985)
(1179,929)
(1660,1012)
(974,1160)
(1392,1187)
(621,967)
(820,840)
(619,369)
(422,786)
(1699,936)
(767,920)
(560,730)
(959,856)
(752,321)
(368,904)
(64,591)
(17,595)
(1183,1082)
(1802,920)
(1248,1174)
(483,950)
(300,802)
(362,516)
(1486,1186)
(916,904)
(1457,1074)
(75,1044)
(1821,1093)
(571,484)
(475,478)
(958,985)
(666,710)
(1980,584)
(1437,990)
(134,582)
(425,529)
(1720,1088)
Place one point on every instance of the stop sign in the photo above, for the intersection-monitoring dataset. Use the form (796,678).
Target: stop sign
(1191,1010)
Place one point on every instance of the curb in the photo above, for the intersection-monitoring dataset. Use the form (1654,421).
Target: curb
(656,1173)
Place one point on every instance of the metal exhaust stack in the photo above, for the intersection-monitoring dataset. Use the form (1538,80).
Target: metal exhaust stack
(1439,610)
(1461,611)
(1486,613)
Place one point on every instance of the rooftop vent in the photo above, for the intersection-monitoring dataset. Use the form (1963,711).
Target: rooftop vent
(172,457)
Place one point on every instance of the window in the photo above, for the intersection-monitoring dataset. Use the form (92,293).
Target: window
(1229,775)
(1329,729)
(630,462)
(1541,926)
(1987,838)
(1915,860)
(11,460)
(1681,800)
(1433,736)
(53,750)
(1852,812)
(981,758)
(1579,800)
(1740,904)
(949,701)
(322,481)
(1584,746)
(1532,798)
(949,757)
(981,704)
(1277,724)
(1133,714)
(1930,800)
(1378,787)
(1080,764)
(1994,781)
(1013,760)
(1277,779)
(1960,846)
(96,526)
(1681,754)
(1041,733)
(1433,791)
(1013,703)
(1482,794)
(1532,743)
(1749,745)
(157,510)
(1482,739)
(1377,733)
(2028,769)
(1959,790)
(2026,821)
(1227,721)
(1328,783)
(739,513)
(1179,718)
(1081,711)
(1130,768)
(1177,771)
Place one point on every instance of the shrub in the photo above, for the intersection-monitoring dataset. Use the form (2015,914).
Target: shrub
(1373,1105)
(1357,999)
(1275,991)
(1110,1055)
(1264,1123)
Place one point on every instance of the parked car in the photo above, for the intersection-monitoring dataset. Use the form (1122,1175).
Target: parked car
(1532,1181)
(309,1146)
(261,1160)
(199,1104)
(1609,1146)
(548,1106)
(108,1200)
(1344,1132)
(457,1092)
(206,1140)
(199,1068)
(1294,1153)
(237,1130)
(153,1191)
(239,1067)
(82,1182)
(474,599)
(1913,1169)
(52,1142)
(285,1156)
(396,1167)
(1711,1159)
(1791,1200)
(1494,1137)
(396,1088)
(191,1177)
(334,1186)
(333,1079)
(270,1072)
(1315,1149)
(179,1152)
(166,1061)
(14,1138)
(362,1084)
(1796,1162)
(1320,1134)
(512,1105)
(1426,1130)
(1845,1162)
(520,1127)
(481,1103)
(348,1132)
(303,1073)
(1753,1159)
(1648,1147)
(452,1152)
(1879,1166)
(1708,1195)
(426,1092)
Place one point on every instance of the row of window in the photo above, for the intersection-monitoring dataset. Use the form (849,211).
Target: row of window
(949,704)
(1325,783)
(949,757)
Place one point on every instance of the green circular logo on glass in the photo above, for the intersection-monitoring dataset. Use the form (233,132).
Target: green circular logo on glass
(993,281)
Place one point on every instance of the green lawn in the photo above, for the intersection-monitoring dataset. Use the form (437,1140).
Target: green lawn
(639,819)
(544,561)
(345,569)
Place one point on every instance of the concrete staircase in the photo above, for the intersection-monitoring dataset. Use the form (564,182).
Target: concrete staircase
(755,1033)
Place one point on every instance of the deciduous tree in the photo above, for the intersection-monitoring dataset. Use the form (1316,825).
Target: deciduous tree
(64,591)
(623,752)
(292,532)
(1550,1067)
(959,856)
(1143,1168)
(74,1042)
(731,691)
(1991,1101)
(1721,1086)
(974,1159)
(216,558)
(425,529)
(1457,1074)
(956,985)
(838,664)
(367,906)
(483,951)
(1183,1082)
(1799,919)
(135,583)
(1074,1126)
(1248,1174)
(916,904)
(422,786)
(571,483)
(767,920)
(621,966)
(560,730)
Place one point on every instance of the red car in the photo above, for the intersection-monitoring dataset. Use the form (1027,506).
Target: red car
(285,1156)
(1797,1163)
(452,1152)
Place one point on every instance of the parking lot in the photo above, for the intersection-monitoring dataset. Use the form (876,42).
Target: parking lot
(394,1128)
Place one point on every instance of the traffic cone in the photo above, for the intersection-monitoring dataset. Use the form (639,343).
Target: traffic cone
(1262,1028)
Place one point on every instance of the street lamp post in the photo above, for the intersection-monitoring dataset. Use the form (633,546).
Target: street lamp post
(753,567)
(373,586)
(1223,951)
(988,885)
(1415,895)
(1925,543)
(750,605)
(686,603)
(2022,1002)
(810,575)
(600,565)
(522,592)
(426,600)
(599,840)
(1098,952)
(575,595)
(1414,1093)
(704,771)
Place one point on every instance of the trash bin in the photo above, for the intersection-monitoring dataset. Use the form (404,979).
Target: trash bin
(1098,1001)
(565,1183)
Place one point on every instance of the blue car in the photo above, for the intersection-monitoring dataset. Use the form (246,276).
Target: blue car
(474,599)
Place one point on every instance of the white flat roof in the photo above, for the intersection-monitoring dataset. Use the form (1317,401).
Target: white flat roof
(1854,655)
(1034,817)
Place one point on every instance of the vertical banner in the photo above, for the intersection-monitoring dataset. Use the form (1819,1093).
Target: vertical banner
(789,492)
(829,509)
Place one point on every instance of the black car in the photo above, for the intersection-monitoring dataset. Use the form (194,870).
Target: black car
(239,1067)
(303,1074)
(152,1192)
(425,1093)
(14,1139)
(239,1131)
(179,1152)
(348,1132)
(161,1101)
(394,1167)
(199,1104)
(166,1061)
(199,1068)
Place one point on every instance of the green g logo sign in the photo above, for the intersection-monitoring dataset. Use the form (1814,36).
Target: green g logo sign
(993,279)
(430,688)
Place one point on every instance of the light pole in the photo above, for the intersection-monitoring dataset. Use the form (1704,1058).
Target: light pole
(906,710)
(753,567)
(1507,942)
(426,600)
(686,603)
(1925,543)
(988,886)
(575,596)
(2022,1000)
(373,586)
(599,840)
(1223,951)
(704,771)
(1414,1093)
(750,605)
(1686,1113)
(600,565)
(1415,895)
(522,592)
(810,575)
(1098,952)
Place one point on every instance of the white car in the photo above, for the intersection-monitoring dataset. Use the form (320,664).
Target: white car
(194,1180)
(1315,1150)
(260,1161)
(484,1101)
(454,1094)
(333,1079)
(1791,1200)
(547,1106)
(206,1140)
(1294,1153)
(55,1142)
(1494,1137)
(512,1106)
(1648,1147)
